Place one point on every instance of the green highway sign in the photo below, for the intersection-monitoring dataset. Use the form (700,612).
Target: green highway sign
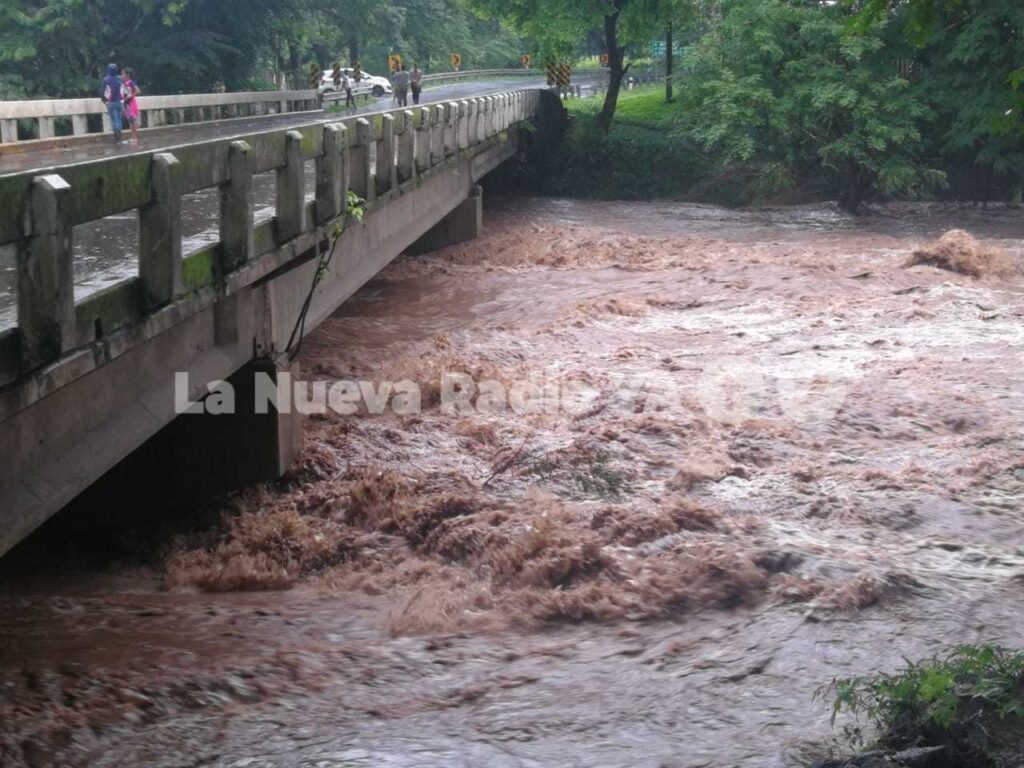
(658,48)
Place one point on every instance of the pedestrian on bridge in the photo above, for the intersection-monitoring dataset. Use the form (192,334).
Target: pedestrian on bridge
(416,83)
(346,86)
(130,92)
(111,91)
(402,80)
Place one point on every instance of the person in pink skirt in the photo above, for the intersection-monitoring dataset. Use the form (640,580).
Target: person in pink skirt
(131,103)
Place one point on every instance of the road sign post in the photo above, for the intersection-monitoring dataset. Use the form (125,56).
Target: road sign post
(315,76)
(526,60)
(456,61)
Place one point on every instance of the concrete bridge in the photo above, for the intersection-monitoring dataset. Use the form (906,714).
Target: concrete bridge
(83,385)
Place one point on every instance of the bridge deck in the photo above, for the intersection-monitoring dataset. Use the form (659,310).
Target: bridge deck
(54,154)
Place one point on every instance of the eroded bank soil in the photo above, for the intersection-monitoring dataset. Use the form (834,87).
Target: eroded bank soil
(747,452)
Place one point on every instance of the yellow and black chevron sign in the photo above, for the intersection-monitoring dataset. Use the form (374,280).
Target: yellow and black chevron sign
(559,75)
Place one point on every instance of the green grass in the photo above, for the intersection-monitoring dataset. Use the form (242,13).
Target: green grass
(642,108)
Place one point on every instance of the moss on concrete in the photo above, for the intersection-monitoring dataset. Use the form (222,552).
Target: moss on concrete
(14,195)
(107,310)
(197,271)
(104,188)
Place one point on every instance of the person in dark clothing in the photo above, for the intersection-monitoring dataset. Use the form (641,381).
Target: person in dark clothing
(111,88)
(416,83)
(402,86)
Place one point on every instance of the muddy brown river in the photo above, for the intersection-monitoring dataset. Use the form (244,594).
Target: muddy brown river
(693,465)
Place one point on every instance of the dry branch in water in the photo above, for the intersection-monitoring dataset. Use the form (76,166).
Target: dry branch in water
(959,251)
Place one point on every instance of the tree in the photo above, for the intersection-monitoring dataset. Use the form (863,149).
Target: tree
(561,26)
(779,83)
(968,62)
(60,47)
(662,17)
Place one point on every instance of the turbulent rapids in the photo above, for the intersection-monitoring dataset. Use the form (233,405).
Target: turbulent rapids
(792,451)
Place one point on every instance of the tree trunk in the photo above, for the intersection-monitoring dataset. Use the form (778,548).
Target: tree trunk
(353,50)
(668,64)
(616,72)
(857,185)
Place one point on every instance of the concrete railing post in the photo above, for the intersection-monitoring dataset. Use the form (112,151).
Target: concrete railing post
(160,234)
(46,128)
(236,208)
(451,138)
(386,170)
(463,125)
(471,120)
(437,130)
(291,189)
(8,131)
(481,120)
(79,125)
(407,147)
(423,139)
(332,174)
(45,280)
(362,175)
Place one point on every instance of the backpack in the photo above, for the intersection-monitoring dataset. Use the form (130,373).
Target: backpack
(127,91)
(107,93)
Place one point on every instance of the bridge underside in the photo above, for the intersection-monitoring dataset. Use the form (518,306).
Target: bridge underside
(61,443)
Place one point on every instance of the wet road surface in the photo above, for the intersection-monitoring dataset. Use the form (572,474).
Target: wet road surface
(166,139)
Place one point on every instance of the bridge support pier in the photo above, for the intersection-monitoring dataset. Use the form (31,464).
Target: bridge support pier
(465,223)
(200,456)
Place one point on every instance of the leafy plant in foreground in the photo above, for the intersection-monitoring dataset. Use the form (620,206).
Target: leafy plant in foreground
(964,699)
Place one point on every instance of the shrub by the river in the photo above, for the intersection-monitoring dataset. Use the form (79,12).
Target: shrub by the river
(969,702)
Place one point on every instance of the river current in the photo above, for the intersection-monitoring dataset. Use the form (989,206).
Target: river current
(706,462)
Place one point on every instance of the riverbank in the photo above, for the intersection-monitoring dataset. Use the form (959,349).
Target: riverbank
(789,457)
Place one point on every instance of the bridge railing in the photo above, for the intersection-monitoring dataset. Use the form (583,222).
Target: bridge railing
(46,118)
(376,158)
(484,74)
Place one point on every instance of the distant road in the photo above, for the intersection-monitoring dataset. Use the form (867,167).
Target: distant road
(45,158)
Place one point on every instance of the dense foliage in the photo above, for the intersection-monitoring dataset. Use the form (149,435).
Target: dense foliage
(788,100)
(782,84)
(59,47)
(970,701)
